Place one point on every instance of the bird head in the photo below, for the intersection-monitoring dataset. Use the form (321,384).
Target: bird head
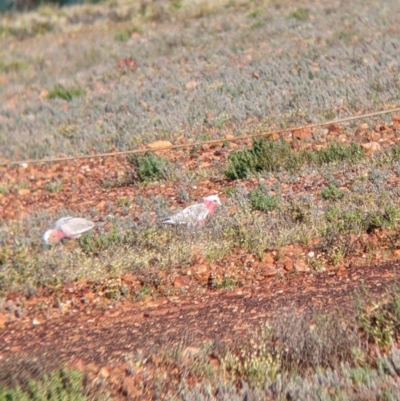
(51,237)
(213,198)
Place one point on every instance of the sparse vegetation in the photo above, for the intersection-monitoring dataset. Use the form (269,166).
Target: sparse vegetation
(54,186)
(290,355)
(332,192)
(13,66)
(301,14)
(149,167)
(141,111)
(64,93)
(63,385)
(271,156)
(260,201)
(304,200)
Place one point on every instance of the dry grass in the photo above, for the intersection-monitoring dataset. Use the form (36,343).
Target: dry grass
(301,357)
(204,69)
(266,219)
(208,69)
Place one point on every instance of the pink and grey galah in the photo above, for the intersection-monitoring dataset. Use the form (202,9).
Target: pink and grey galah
(195,215)
(67,227)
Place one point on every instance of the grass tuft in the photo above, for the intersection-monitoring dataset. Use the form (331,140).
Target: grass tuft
(62,385)
(260,201)
(150,167)
(332,193)
(263,156)
(13,66)
(273,156)
(67,94)
(381,322)
(301,14)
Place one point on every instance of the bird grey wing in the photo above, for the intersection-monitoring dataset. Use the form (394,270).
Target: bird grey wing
(77,226)
(191,215)
(62,221)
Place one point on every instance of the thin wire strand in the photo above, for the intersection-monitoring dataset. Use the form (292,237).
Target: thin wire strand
(214,141)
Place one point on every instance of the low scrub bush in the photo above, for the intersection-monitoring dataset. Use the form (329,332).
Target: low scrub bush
(62,385)
(272,156)
(332,193)
(263,202)
(67,94)
(149,167)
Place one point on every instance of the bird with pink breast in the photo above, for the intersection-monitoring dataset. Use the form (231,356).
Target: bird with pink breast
(193,216)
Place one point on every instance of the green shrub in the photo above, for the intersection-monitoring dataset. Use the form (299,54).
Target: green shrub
(332,193)
(67,94)
(264,156)
(336,152)
(381,219)
(273,156)
(395,153)
(356,221)
(149,167)
(301,14)
(13,66)
(382,325)
(260,201)
(122,36)
(94,244)
(63,385)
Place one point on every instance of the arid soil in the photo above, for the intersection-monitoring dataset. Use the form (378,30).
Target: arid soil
(101,334)
(78,327)
(97,338)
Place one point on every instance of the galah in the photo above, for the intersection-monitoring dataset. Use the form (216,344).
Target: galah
(195,215)
(67,227)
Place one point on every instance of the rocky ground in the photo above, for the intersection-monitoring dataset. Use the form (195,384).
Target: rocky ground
(81,324)
(149,312)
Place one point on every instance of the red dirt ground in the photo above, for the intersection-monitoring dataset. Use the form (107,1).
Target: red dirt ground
(94,334)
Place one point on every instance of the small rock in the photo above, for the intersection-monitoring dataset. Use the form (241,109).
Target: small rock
(129,387)
(104,372)
(181,281)
(288,265)
(159,146)
(371,148)
(301,266)
(396,253)
(3,321)
(191,84)
(24,191)
(189,352)
(35,322)
(396,121)
(214,362)
(335,128)
(268,257)
(302,133)
(373,136)
(218,151)
(268,272)
(200,269)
